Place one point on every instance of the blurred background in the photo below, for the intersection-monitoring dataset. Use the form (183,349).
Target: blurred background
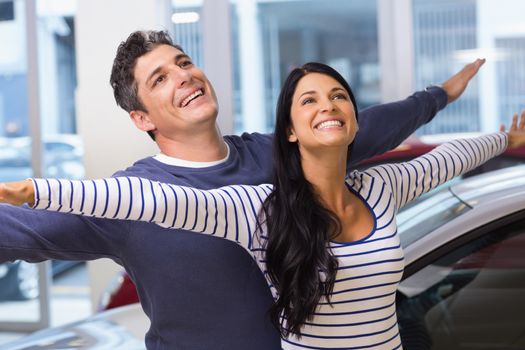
(58,117)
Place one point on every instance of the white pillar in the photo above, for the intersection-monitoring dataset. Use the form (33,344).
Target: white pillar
(489,118)
(49,111)
(251,67)
(217,51)
(396,49)
(111,141)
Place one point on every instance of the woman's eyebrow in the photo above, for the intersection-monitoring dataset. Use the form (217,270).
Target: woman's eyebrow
(307,93)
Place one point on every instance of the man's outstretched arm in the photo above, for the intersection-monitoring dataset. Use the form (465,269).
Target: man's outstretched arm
(36,236)
(385,126)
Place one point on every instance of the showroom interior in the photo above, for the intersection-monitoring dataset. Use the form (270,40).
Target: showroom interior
(58,116)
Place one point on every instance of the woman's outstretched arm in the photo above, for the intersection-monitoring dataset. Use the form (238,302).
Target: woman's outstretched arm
(411,179)
(228,212)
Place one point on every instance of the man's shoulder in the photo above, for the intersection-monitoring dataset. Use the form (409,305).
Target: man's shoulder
(254,139)
(252,148)
(146,168)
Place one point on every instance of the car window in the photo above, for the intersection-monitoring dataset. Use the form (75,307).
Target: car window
(428,213)
(472,297)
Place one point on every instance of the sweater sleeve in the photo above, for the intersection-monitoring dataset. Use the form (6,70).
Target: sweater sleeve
(35,236)
(411,179)
(384,127)
(228,212)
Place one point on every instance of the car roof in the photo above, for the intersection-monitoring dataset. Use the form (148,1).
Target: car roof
(485,188)
(489,197)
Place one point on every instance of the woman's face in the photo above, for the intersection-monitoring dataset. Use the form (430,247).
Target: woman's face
(322,113)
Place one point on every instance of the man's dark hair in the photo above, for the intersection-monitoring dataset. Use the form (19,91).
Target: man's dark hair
(122,80)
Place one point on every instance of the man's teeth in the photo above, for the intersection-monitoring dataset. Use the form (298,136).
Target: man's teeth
(191,97)
(329,123)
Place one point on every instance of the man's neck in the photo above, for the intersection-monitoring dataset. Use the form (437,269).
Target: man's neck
(204,147)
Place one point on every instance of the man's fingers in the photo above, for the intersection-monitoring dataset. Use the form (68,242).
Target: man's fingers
(456,84)
(472,68)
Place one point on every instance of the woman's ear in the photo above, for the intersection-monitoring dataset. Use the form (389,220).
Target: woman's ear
(142,121)
(291,136)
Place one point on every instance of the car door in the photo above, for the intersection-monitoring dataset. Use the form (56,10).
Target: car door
(470,293)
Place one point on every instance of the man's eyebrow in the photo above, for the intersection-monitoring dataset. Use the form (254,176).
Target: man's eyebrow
(159,68)
(155,71)
(181,56)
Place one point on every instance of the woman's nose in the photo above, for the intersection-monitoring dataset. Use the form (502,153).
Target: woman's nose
(327,105)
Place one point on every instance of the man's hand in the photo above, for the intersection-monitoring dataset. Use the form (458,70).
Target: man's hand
(516,132)
(17,193)
(457,83)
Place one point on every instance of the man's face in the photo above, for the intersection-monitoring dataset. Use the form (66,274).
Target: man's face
(176,94)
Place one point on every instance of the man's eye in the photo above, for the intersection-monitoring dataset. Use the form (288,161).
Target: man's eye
(159,80)
(185,63)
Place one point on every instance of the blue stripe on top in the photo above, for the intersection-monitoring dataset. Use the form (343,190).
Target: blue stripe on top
(361,311)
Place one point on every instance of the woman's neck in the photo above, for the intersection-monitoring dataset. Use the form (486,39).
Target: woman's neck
(326,171)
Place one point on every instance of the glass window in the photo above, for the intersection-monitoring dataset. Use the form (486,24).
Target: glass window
(186,19)
(57,73)
(451,33)
(62,149)
(19,286)
(14,120)
(473,297)
(443,30)
(272,37)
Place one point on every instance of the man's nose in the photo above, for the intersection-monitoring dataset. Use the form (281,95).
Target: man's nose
(181,76)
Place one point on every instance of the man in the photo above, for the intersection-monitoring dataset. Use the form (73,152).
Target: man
(199,292)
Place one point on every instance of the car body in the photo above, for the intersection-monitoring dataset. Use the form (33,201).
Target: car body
(464,281)
(119,329)
(19,279)
(416,146)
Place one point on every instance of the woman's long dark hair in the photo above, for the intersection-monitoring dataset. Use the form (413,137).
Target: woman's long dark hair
(299,263)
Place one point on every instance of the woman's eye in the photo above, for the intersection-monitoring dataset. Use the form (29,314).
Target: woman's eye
(307,101)
(339,97)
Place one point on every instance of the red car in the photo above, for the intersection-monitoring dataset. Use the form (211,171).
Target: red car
(123,291)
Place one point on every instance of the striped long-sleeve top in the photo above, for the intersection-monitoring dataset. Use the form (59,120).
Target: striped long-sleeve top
(362,313)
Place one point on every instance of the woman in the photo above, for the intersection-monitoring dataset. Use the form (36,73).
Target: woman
(325,240)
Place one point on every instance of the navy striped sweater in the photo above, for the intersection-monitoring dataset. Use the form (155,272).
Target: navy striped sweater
(362,313)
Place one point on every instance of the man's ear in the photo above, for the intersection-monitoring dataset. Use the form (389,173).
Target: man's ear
(142,121)
(291,136)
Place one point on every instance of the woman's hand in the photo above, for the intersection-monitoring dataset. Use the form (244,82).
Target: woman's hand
(17,193)
(516,132)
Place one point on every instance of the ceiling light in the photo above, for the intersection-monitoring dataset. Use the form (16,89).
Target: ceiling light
(185,17)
